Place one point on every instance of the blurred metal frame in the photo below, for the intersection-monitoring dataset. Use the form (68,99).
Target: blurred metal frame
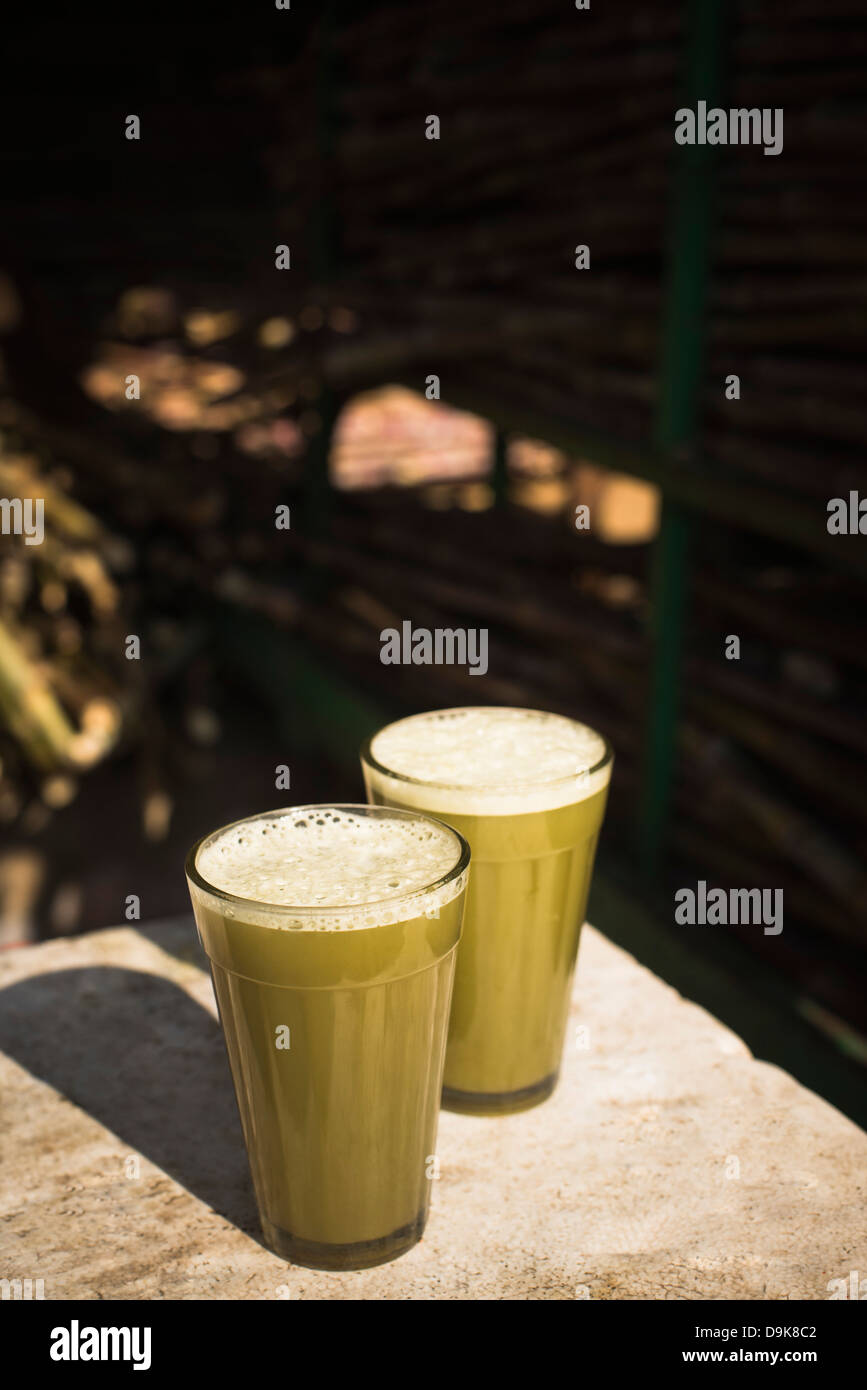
(677,414)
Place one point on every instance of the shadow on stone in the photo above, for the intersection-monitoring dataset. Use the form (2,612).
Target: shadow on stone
(146,1061)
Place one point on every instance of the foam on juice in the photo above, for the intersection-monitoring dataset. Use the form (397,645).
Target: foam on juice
(489,760)
(341,869)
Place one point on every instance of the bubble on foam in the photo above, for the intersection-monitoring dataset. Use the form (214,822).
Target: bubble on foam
(366,867)
(488,760)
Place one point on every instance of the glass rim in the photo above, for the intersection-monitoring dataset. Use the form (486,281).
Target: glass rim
(486,787)
(326,909)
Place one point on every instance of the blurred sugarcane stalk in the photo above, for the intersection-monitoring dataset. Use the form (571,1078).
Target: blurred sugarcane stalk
(30,708)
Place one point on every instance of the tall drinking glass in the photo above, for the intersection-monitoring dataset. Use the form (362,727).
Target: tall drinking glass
(527,790)
(331,933)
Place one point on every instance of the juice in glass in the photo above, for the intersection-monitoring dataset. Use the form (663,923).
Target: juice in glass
(527,790)
(331,933)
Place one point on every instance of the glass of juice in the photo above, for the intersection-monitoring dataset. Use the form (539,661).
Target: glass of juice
(332,933)
(527,790)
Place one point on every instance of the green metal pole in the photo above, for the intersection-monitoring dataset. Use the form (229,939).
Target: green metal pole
(324,253)
(677,414)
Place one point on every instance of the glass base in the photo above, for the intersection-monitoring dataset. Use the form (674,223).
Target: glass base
(499,1102)
(362,1254)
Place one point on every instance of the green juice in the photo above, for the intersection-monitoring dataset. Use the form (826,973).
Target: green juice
(529,882)
(335,1016)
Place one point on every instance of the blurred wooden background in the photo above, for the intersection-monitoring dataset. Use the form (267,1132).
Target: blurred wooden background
(305,387)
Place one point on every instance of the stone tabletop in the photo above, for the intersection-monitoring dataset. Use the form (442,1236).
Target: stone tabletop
(669,1163)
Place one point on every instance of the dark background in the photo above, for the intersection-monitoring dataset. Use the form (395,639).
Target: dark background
(262,387)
